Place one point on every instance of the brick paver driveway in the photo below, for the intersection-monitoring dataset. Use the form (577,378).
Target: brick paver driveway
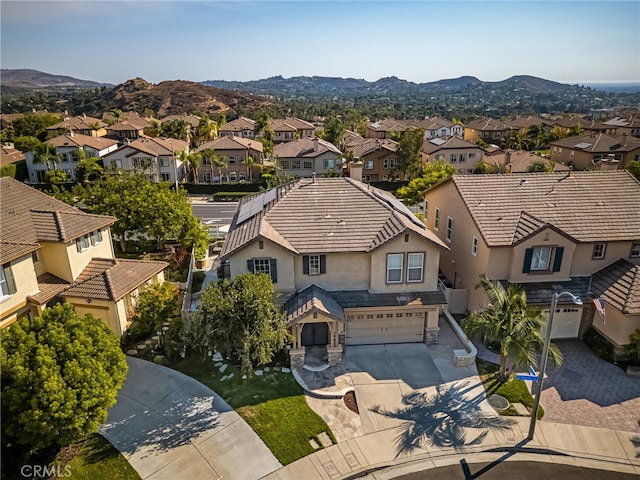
(587,390)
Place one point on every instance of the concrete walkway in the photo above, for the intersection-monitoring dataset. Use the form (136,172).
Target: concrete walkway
(170,426)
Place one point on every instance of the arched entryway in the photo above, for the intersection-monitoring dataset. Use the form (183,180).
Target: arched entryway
(315,334)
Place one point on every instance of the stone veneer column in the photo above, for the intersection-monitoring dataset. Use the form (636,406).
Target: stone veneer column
(296,358)
(431,335)
(334,355)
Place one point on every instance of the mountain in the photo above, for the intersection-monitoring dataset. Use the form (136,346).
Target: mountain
(29,79)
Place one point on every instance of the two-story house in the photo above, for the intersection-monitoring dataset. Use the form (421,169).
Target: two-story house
(240,127)
(378,157)
(596,150)
(93,127)
(68,148)
(52,252)
(548,232)
(306,156)
(488,130)
(455,151)
(234,150)
(291,128)
(353,265)
(157,158)
(437,127)
(129,129)
(386,128)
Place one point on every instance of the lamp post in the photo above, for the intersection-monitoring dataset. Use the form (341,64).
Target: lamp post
(174,160)
(545,355)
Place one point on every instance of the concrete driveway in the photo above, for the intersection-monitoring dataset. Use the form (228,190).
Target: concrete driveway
(168,425)
(383,375)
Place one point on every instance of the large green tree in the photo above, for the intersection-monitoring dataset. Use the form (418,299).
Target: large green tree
(432,173)
(60,374)
(634,168)
(156,305)
(408,152)
(512,324)
(242,320)
(334,130)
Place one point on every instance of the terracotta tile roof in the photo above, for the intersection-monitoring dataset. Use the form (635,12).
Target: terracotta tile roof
(30,216)
(312,299)
(431,123)
(49,286)
(290,124)
(112,279)
(588,206)
(520,160)
(619,285)
(9,155)
(526,122)
(600,143)
(451,143)
(11,250)
(194,120)
(154,146)
(488,124)
(328,215)
(238,125)
(365,146)
(304,148)
(127,126)
(80,122)
(79,140)
(231,142)
(388,125)
(363,298)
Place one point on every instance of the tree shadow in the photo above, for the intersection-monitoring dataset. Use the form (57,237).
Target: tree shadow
(442,419)
(635,440)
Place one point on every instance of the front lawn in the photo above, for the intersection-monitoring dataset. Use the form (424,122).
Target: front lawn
(95,459)
(273,404)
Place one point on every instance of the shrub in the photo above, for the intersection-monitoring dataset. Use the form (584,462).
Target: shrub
(600,345)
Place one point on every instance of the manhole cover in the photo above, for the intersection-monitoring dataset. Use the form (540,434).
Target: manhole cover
(498,402)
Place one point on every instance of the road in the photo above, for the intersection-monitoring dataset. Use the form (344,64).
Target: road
(214,213)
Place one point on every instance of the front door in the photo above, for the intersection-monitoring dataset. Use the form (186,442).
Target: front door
(315,334)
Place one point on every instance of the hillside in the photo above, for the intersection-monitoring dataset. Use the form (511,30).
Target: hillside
(28,79)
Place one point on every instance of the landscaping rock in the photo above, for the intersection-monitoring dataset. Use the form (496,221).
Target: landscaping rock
(230,376)
(223,367)
(218,364)
(266,369)
(244,377)
(276,369)
(161,360)
(325,440)
(224,377)
(258,373)
(132,352)
(521,409)
(148,342)
(286,370)
(217,357)
(142,346)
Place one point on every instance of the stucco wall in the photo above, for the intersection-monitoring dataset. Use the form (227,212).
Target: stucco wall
(285,264)
(617,327)
(545,238)
(584,264)
(26,284)
(345,271)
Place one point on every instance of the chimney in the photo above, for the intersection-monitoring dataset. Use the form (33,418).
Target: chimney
(507,157)
(355,170)
(316,144)
(314,177)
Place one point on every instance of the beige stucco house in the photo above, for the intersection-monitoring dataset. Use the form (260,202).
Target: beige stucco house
(548,232)
(596,151)
(353,266)
(378,157)
(455,151)
(235,150)
(52,252)
(305,156)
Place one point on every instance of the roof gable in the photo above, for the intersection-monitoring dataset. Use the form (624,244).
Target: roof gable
(619,285)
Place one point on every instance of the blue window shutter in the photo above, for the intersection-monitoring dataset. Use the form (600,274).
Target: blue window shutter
(305,264)
(273,268)
(250,265)
(528,255)
(323,264)
(557,261)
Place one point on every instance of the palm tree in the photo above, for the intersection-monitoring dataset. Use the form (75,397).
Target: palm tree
(250,163)
(193,160)
(45,153)
(220,162)
(207,129)
(509,321)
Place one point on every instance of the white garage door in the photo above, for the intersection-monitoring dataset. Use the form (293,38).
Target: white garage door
(384,330)
(566,322)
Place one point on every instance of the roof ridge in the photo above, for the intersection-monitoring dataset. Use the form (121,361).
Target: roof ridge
(109,282)
(59,225)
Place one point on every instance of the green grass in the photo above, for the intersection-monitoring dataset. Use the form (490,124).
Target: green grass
(272,404)
(515,391)
(96,459)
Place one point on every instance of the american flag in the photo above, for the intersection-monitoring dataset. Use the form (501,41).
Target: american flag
(599,303)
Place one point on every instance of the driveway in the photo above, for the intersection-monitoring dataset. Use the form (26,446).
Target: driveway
(168,425)
(586,390)
(383,375)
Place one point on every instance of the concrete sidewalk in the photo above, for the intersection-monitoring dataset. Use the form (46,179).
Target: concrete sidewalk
(170,426)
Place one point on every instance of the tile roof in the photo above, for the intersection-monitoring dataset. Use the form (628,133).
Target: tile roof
(520,160)
(431,123)
(194,120)
(29,216)
(363,298)
(12,250)
(49,286)
(80,122)
(127,126)
(231,142)
(365,146)
(312,298)
(325,215)
(9,155)
(112,279)
(540,293)
(290,123)
(154,146)
(600,143)
(79,140)
(389,125)
(437,144)
(619,285)
(526,122)
(239,124)
(588,206)
(489,124)
(304,148)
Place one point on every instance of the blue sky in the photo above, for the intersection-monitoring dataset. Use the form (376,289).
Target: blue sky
(421,41)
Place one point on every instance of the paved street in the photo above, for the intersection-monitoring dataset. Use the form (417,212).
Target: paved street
(213,212)
(587,390)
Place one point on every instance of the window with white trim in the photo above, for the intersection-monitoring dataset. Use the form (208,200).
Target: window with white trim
(307,164)
(83,243)
(368,164)
(599,251)
(314,264)
(474,246)
(261,265)
(463,158)
(415,267)
(425,213)
(329,163)
(296,164)
(635,250)
(165,177)
(449,229)
(285,164)
(436,220)
(453,158)
(96,237)
(541,259)
(394,267)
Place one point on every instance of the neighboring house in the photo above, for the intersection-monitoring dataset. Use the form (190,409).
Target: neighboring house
(623,126)
(129,129)
(436,127)
(386,128)
(68,147)
(548,232)
(191,119)
(378,157)
(306,156)
(235,150)
(92,127)
(353,265)
(455,151)
(596,150)
(158,158)
(52,252)
(9,155)
(519,161)
(291,128)
(486,129)
(240,127)
(525,123)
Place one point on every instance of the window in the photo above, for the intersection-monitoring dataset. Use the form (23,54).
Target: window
(82,243)
(463,158)
(75,155)
(329,163)
(307,164)
(142,162)
(394,267)
(7,283)
(472,155)
(453,158)
(542,259)
(261,244)
(314,264)
(415,263)
(390,163)
(231,159)
(288,135)
(398,315)
(599,250)
(165,177)
(366,178)
(233,176)
(264,265)
(285,164)
(116,163)
(439,156)
(436,221)
(35,257)
(206,162)
(163,161)
(635,250)
(296,164)
(426,210)
(449,229)
(96,237)
(474,247)
(368,164)
(206,177)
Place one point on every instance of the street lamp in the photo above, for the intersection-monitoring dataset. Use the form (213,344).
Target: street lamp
(545,355)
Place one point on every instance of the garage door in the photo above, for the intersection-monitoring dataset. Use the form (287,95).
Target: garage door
(566,322)
(384,330)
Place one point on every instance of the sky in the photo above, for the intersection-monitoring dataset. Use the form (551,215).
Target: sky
(113,41)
